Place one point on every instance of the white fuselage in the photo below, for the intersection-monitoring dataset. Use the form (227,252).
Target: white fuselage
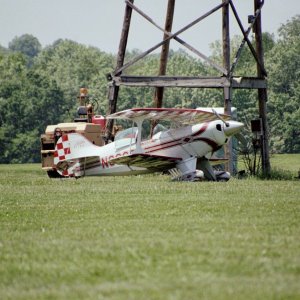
(182,143)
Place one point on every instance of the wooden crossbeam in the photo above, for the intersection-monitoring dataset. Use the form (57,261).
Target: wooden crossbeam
(191,82)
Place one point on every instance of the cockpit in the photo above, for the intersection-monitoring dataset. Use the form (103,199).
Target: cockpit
(129,133)
(126,137)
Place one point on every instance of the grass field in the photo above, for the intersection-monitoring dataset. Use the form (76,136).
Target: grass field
(289,162)
(145,237)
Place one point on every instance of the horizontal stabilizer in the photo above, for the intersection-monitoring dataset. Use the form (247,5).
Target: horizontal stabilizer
(77,167)
(148,161)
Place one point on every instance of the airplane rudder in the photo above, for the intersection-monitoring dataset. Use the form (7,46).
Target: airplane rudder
(62,149)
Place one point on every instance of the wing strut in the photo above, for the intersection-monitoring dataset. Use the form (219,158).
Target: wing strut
(139,148)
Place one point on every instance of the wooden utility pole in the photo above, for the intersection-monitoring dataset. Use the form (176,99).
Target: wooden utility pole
(262,93)
(159,91)
(113,90)
(226,66)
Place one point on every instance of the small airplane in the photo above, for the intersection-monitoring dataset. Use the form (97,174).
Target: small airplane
(183,151)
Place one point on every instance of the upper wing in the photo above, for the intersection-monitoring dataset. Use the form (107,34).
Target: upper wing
(186,116)
(148,161)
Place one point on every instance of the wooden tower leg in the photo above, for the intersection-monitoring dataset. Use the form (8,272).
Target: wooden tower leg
(159,91)
(262,93)
(227,90)
(113,90)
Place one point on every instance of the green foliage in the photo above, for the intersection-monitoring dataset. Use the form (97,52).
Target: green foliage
(27,44)
(40,86)
(25,147)
(28,103)
(72,66)
(284,104)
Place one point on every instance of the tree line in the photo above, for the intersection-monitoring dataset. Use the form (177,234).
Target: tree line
(39,86)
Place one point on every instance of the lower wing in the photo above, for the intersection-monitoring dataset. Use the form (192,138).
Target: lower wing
(148,161)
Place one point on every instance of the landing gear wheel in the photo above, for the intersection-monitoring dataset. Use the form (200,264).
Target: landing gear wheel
(53,174)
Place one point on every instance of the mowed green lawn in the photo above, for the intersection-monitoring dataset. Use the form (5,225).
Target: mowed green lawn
(146,237)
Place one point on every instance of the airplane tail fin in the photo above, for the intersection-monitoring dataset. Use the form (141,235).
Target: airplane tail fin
(70,151)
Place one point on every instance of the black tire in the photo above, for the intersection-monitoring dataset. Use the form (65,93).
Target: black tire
(53,174)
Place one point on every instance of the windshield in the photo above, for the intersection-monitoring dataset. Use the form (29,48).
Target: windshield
(129,133)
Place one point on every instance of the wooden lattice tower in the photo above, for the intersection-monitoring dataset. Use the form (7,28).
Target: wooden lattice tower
(226,81)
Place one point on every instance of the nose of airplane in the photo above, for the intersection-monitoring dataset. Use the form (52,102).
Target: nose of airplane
(232,127)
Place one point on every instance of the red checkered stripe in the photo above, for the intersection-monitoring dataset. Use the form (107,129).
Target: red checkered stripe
(62,148)
(62,151)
